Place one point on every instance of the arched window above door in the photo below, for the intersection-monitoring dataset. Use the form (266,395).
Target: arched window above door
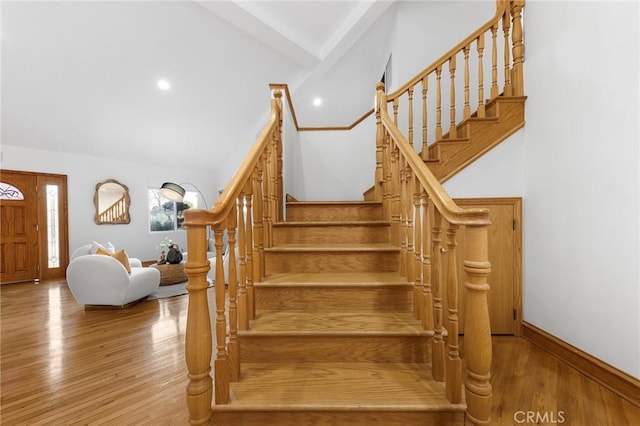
(10,192)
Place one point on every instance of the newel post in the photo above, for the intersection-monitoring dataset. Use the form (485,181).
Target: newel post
(198,338)
(477,330)
(379,176)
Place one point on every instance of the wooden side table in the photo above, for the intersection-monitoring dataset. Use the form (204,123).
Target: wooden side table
(171,273)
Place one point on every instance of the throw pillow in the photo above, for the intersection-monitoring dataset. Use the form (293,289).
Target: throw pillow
(120,256)
(108,247)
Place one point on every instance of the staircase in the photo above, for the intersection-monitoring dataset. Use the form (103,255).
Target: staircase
(475,137)
(347,312)
(334,339)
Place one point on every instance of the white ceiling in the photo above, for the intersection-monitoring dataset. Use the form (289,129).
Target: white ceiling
(81,76)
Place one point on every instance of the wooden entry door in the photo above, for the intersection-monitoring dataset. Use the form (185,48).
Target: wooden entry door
(34,238)
(505,255)
(18,228)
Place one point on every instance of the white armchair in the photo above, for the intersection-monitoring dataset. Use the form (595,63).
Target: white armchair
(98,280)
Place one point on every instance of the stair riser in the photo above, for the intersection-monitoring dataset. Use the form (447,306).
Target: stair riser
(335,349)
(331,213)
(300,298)
(334,234)
(313,261)
(352,417)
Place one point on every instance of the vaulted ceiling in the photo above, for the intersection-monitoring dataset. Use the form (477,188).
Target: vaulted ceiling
(82,76)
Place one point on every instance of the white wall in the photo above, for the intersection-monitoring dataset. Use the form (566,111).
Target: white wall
(336,165)
(84,172)
(425,30)
(498,173)
(581,181)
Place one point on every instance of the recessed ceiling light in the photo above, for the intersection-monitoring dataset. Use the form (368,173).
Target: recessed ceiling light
(163,85)
(317,102)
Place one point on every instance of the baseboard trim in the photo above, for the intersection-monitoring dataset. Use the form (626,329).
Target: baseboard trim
(618,382)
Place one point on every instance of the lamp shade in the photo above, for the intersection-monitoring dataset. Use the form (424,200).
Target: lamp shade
(172,191)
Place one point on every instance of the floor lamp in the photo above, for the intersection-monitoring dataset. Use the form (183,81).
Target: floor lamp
(175,192)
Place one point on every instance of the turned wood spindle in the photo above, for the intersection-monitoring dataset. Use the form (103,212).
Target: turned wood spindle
(481,105)
(494,61)
(437,361)
(427,296)
(454,363)
(438,103)
(453,134)
(467,107)
(425,149)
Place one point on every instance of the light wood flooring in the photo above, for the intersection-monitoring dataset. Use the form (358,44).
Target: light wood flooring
(61,365)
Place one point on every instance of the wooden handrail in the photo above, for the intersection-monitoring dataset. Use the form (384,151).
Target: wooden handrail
(500,10)
(415,203)
(243,213)
(227,199)
(285,88)
(448,208)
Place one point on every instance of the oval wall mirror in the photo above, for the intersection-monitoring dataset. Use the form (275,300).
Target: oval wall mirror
(112,202)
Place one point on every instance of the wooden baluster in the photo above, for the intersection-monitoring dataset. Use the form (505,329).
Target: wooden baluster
(454,363)
(232,283)
(274,185)
(506,26)
(221,363)
(379,173)
(251,310)
(437,362)
(387,202)
(395,111)
(198,339)
(477,331)
(403,217)
(395,195)
(408,202)
(453,133)
(418,302)
(467,107)
(280,182)
(425,148)
(438,103)
(494,61)
(481,105)
(518,48)
(258,247)
(427,296)
(410,132)
(266,198)
(243,316)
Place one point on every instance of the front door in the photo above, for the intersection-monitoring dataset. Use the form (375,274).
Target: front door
(34,240)
(18,228)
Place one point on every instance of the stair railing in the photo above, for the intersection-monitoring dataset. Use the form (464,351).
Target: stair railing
(116,212)
(500,75)
(413,198)
(244,213)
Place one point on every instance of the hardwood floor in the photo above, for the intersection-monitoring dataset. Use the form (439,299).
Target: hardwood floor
(61,365)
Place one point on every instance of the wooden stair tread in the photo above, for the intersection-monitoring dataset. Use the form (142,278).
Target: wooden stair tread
(333,223)
(338,386)
(337,279)
(372,247)
(334,203)
(295,322)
